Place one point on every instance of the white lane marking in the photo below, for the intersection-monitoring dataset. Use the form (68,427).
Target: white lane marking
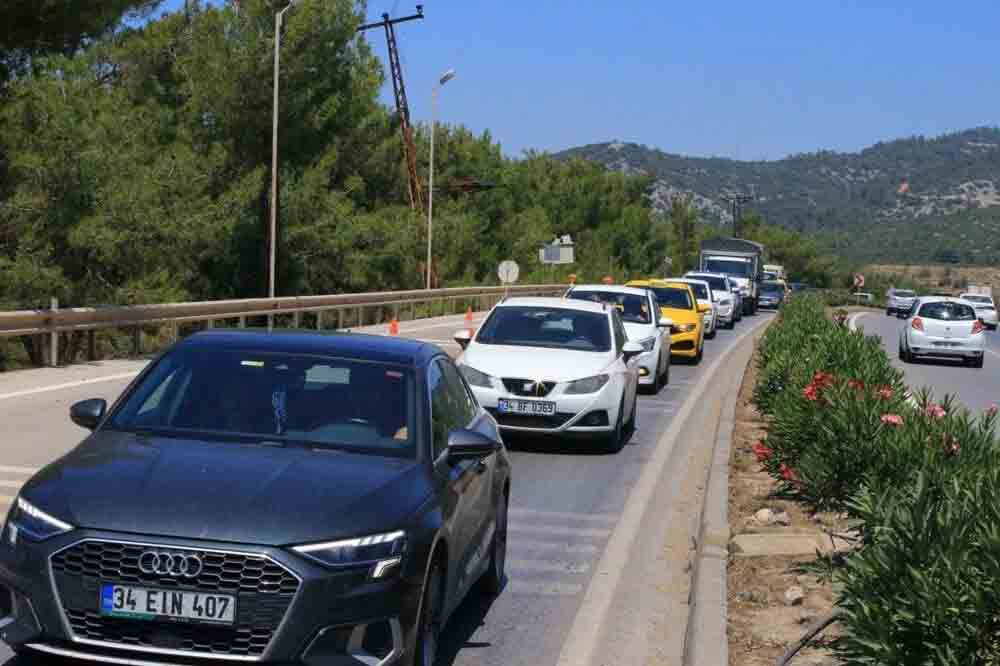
(584,532)
(539,566)
(527,589)
(564,515)
(852,321)
(581,642)
(11,484)
(68,385)
(533,546)
(26,471)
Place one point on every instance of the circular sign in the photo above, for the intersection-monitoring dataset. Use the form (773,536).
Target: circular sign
(859,280)
(608,280)
(508,272)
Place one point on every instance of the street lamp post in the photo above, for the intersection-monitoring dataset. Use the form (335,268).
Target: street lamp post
(273,231)
(445,78)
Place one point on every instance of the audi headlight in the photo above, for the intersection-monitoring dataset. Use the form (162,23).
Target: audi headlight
(648,344)
(587,385)
(31,522)
(381,553)
(475,377)
(686,328)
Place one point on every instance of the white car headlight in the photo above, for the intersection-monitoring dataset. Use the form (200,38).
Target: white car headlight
(648,344)
(28,520)
(725,301)
(475,377)
(381,552)
(587,385)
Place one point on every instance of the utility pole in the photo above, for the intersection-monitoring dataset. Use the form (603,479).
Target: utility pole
(402,107)
(736,202)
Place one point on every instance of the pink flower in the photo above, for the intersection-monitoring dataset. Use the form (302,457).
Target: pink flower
(992,410)
(823,379)
(935,411)
(811,393)
(892,419)
(885,393)
(855,384)
(762,451)
(788,474)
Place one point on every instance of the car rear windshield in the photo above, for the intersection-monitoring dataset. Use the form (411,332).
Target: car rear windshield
(728,266)
(634,308)
(948,311)
(277,398)
(673,297)
(716,283)
(560,328)
(903,293)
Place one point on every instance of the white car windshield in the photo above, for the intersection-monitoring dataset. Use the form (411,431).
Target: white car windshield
(633,308)
(558,328)
(947,311)
(728,266)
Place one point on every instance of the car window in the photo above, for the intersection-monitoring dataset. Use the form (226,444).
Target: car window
(673,297)
(202,393)
(619,329)
(715,282)
(552,327)
(634,308)
(903,293)
(700,291)
(947,311)
(772,288)
(451,405)
(727,266)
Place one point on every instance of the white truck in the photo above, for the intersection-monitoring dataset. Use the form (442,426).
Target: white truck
(741,260)
(774,272)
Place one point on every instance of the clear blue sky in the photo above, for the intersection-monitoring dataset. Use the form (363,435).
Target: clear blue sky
(749,80)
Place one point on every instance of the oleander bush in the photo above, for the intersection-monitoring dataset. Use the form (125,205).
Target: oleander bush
(919,479)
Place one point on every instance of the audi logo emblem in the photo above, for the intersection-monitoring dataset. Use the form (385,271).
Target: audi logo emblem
(178,565)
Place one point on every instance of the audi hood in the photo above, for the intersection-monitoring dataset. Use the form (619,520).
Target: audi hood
(543,363)
(226,491)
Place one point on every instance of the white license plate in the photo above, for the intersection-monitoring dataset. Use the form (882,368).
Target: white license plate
(140,603)
(531,407)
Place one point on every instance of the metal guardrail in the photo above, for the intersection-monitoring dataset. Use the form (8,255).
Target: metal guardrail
(53,321)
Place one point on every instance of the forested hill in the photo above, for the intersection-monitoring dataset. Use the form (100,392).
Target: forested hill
(913,199)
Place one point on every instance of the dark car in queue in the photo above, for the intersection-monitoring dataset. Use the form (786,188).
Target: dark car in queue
(772,294)
(276,497)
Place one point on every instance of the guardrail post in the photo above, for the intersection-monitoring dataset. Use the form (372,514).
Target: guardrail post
(54,339)
(296,319)
(340,319)
(137,341)
(209,323)
(361,316)
(319,320)
(243,322)
(91,345)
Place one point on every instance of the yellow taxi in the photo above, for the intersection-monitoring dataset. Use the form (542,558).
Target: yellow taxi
(678,302)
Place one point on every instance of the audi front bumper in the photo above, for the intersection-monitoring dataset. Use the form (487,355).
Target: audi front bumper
(288,610)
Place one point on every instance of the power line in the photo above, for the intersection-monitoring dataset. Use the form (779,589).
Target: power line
(402,107)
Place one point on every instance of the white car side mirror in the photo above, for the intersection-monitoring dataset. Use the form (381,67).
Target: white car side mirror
(631,349)
(666,322)
(463,337)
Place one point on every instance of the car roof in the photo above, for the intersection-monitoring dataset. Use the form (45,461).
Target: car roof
(378,348)
(659,282)
(553,302)
(690,280)
(966,294)
(610,289)
(698,274)
(942,299)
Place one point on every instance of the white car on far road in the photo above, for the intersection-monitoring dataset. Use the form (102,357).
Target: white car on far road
(943,327)
(555,366)
(703,292)
(640,313)
(986,309)
(725,296)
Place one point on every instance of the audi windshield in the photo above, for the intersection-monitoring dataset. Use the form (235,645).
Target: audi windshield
(281,399)
(559,328)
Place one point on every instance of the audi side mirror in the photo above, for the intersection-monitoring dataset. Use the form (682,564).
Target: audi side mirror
(470,445)
(88,413)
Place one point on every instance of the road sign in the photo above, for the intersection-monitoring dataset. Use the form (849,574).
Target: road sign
(508,272)
(859,280)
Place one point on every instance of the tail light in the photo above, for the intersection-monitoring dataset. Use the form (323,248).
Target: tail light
(918,324)
(977,327)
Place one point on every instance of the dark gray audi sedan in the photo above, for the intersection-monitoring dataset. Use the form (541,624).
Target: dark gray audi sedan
(263,497)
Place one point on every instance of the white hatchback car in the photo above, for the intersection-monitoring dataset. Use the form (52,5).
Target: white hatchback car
(555,366)
(640,313)
(725,296)
(986,309)
(943,327)
(703,292)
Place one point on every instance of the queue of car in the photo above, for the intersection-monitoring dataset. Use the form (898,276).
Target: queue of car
(323,498)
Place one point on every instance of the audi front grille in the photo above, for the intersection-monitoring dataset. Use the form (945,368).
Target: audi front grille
(264,591)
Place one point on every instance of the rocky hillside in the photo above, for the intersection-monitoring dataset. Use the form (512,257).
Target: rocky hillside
(913,200)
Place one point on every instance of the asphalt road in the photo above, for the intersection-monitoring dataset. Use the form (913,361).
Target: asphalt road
(976,389)
(565,504)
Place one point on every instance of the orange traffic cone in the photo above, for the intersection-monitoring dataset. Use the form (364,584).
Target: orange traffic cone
(394,327)
(468,315)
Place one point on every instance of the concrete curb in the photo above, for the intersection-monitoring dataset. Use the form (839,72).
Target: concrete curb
(706,642)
